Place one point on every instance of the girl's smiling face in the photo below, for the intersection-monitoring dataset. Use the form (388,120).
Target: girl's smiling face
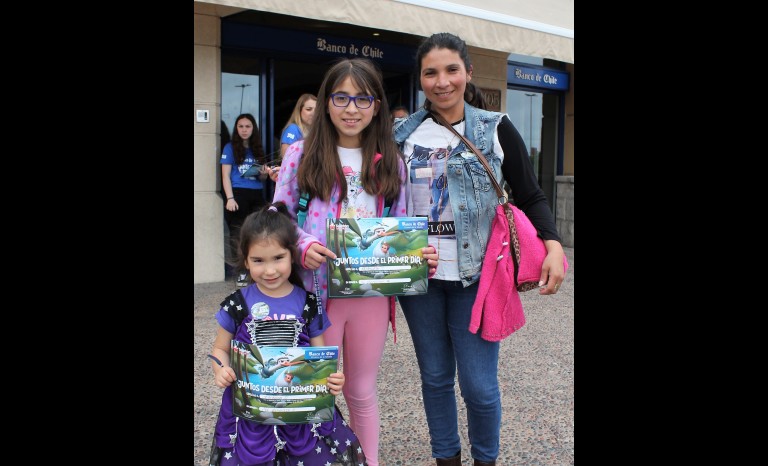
(270,264)
(350,121)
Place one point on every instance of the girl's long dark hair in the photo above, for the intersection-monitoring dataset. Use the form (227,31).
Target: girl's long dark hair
(320,166)
(254,142)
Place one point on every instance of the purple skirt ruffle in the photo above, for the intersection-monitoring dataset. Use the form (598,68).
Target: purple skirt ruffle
(255,444)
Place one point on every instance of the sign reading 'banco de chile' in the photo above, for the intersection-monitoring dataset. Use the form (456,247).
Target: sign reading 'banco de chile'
(545,78)
(353,50)
(285,43)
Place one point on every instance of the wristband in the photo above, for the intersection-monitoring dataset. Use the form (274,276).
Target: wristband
(230,198)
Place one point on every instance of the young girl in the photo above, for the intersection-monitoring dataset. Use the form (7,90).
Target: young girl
(349,166)
(449,183)
(268,241)
(243,194)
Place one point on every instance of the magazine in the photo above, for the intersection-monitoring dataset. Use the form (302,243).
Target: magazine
(378,256)
(283,384)
(252,172)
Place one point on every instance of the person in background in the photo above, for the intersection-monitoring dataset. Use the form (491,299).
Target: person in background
(268,251)
(296,128)
(299,123)
(349,166)
(243,194)
(399,112)
(439,320)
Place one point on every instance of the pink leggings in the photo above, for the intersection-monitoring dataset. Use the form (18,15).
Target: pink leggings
(360,330)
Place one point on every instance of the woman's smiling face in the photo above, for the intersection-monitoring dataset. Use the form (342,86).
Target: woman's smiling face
(444,79)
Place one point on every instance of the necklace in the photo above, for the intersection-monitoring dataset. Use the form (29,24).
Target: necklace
(449,146)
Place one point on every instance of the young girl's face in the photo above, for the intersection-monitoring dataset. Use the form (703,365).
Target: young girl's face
(444,79)
(244,128)
(350,120)
(270,267)
(308,111)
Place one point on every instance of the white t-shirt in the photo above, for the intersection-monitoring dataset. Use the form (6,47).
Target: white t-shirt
(426,151)
(358,204)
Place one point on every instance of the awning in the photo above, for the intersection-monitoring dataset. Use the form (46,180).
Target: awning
(539,28)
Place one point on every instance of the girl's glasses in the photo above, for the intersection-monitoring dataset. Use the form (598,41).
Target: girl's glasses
(361,101)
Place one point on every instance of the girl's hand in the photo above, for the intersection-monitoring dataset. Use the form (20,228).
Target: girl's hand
(232,205)
(273,173)
(316,256)
(264,172)
(224,376)
(336,382)
(430,254)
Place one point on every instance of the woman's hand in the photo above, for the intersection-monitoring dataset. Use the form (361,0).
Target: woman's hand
(316,256)
(552,270)
(430,254)
(336,382)
(231,205)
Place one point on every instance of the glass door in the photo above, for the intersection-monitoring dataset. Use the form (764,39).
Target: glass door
(524,110)
(535,116)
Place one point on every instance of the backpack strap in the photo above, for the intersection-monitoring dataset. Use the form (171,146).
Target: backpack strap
(387,205)
(301,214)
(235,306)
(310,307)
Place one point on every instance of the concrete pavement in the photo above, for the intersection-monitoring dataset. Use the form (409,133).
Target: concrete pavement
(535,375)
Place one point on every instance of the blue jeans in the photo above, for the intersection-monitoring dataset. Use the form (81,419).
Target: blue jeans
(439,325)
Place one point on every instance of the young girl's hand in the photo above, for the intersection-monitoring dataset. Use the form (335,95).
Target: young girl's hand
(264,172)
(274,173)
(224,377)
(430,254)
(315,256)
(336,382)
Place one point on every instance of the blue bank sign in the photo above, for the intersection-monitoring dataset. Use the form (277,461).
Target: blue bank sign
(544,78)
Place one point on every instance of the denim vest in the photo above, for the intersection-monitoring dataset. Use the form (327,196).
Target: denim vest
(472,196)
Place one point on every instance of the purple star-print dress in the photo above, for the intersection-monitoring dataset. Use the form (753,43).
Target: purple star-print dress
(241,442)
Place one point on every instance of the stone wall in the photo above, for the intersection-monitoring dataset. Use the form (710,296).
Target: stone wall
(564,210)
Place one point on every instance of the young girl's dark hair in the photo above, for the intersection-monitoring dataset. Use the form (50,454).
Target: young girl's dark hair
(320,167)
(254,142)
(445,40)
(272,222)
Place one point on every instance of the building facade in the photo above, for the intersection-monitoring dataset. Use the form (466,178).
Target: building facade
(259,56)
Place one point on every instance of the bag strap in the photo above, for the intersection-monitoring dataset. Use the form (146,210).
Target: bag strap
(499,190)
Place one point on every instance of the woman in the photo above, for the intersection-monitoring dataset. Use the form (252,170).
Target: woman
(243,194)
(299,123)
(442,173)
